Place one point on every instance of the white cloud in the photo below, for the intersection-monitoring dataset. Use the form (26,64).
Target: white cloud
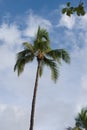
(7,57)
(10,39)
(33,21)
(73,22)
(12,117)
(58,103)
(10,34)
(66,21)
(82,22)
(16,117)
(53,115)
(84,82)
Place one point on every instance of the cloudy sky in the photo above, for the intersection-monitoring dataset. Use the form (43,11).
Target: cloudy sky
(57,104)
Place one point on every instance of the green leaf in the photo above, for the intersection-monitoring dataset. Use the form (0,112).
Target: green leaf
(28,46)
(65,56)
(64,10)
(68,13)
(23,57)
(54,68)
(41,68)
(69,10)
(83,13)
(68,4)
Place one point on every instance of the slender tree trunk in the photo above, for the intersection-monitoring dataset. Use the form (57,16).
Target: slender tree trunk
(34,98)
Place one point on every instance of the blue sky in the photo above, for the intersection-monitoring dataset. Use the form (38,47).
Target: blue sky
(57,104)
(18,7)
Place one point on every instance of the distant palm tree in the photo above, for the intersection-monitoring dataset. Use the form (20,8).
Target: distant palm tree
(81,119)
(44,56)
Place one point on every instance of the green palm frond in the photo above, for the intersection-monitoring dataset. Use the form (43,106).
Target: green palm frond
(59,54)
(42,46)
(53,66)
(42,40)
(23,57)
(65,56)
(28,46)
(81,119)
(42,34)
(23,53)
(19,66)
(41,68)
(55,55)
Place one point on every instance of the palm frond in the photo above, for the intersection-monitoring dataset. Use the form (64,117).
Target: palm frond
(53,66)
(81,119)
(55,55)
(28,46)
(19,66)
(23,53)
(42,46)
(59,54)
(23,57)
(65,56)
(42,33)
(42,40)
(41,68)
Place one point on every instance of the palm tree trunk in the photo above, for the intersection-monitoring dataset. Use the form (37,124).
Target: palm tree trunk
(34,98)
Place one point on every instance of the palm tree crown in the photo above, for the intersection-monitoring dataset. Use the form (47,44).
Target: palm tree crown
(81,119)
(43,53)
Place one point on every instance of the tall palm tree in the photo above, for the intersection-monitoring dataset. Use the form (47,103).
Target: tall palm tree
(45,56)
(81,119)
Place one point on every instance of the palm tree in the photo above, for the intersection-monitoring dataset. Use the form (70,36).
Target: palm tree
(45,56)
(81,119)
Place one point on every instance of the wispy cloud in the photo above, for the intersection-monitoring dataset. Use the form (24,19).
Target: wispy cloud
(32,23)
(9,33)
(12,117)
(67,22)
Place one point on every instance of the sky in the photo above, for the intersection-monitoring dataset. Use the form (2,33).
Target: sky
(57,104)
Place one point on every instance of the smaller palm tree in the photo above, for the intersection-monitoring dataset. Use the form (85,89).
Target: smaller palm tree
(81,119)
